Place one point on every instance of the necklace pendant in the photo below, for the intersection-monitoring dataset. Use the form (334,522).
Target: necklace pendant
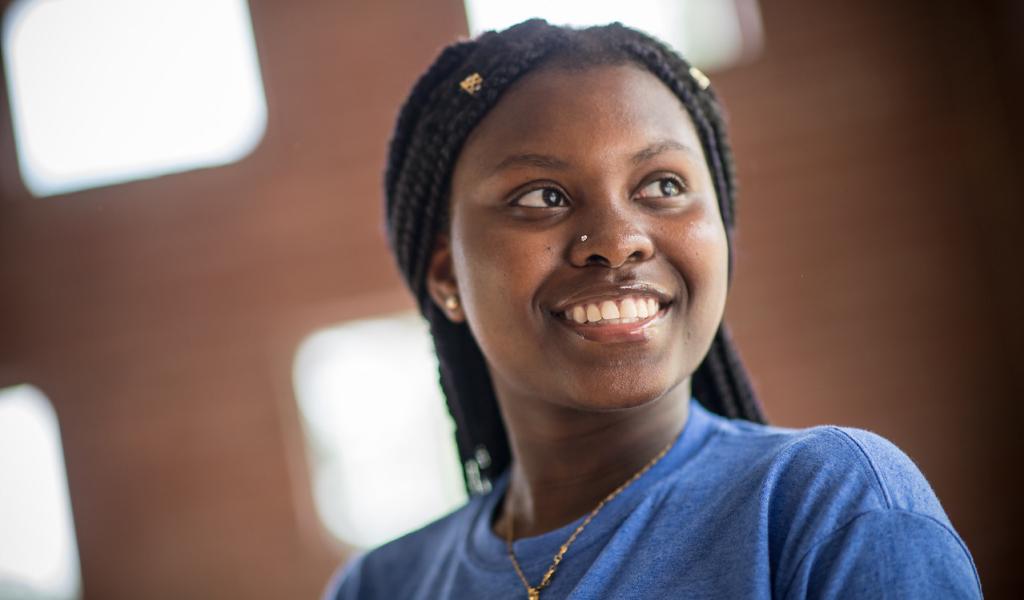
(534,594)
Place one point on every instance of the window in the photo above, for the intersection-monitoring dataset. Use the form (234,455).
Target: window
(38,554)
(106,91)
(379,437)
(712,34)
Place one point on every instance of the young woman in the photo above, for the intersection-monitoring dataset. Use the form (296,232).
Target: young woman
(561,204)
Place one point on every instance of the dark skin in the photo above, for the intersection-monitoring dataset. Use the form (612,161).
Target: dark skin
(610,152)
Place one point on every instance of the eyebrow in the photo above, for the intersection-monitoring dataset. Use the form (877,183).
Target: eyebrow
(545,161)
(531,160)
(659,147)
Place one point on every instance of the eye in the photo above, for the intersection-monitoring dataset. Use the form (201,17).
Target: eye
(542,198)
(664,187)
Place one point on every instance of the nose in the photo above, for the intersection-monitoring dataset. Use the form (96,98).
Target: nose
(614,237)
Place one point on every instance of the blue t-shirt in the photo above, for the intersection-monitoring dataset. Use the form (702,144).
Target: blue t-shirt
(734,510)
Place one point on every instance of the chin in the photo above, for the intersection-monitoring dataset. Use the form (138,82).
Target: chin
(620,392)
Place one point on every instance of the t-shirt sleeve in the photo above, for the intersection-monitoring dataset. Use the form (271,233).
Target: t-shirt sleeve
(887,553)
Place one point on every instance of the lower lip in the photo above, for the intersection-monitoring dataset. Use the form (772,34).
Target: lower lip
(619,332)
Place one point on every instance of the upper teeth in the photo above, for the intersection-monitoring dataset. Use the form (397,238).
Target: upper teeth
(625,310)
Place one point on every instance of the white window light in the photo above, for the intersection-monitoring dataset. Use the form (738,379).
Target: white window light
(711,34)
(379,437)
(106,91)
(38,553)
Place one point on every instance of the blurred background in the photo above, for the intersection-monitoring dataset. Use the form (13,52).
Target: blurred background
(211,381)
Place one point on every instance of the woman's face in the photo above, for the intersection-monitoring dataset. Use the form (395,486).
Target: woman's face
(616,320)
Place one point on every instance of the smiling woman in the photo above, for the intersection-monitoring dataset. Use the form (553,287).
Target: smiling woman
(561,203)
(517,266)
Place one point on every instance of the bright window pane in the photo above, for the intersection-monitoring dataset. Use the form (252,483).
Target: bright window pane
(38,554)
(711,34)
(105,91)
(379,437)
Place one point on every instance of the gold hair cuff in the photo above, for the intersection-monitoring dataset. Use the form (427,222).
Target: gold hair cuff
(701,79)
(472,84)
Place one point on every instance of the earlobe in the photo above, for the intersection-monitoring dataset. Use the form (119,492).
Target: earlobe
(441,283)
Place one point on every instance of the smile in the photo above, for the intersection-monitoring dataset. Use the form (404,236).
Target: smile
(613,320)
(631,309)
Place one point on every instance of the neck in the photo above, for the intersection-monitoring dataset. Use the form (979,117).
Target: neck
(565,461)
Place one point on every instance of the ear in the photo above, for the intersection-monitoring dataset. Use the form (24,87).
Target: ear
(441,283)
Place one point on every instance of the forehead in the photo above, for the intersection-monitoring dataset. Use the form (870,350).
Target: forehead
(580,113)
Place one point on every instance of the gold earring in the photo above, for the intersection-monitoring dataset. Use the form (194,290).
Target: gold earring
(451,302)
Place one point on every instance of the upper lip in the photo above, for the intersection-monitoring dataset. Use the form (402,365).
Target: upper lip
(607,291)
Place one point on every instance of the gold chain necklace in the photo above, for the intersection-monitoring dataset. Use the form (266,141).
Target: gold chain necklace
(533,593)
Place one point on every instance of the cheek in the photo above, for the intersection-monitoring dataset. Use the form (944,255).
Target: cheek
(498,275)
(706,242)
(701,256)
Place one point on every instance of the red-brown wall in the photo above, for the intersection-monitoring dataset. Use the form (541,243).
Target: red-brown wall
(877,284)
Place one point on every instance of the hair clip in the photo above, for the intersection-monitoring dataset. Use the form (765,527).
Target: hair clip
(472,84)
(701,79)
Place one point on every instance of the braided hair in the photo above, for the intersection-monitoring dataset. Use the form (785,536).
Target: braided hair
(433,125)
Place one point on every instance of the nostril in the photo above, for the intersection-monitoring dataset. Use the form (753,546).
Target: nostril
(597,259)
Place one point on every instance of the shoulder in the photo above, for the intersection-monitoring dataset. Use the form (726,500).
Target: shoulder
(371,574)
(827,465)
(826,479)
(846,508)
(860,463)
